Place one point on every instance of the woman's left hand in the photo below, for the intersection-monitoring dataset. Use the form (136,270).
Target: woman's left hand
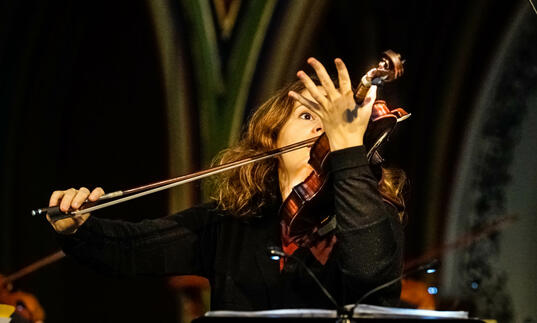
(344,121)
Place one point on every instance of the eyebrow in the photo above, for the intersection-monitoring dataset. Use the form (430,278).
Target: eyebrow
(303,106)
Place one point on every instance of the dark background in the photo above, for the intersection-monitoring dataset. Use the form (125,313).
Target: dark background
(81,96)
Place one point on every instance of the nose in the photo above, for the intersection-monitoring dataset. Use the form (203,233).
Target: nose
(318,128)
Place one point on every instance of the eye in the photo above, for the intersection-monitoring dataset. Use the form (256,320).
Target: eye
(306,116)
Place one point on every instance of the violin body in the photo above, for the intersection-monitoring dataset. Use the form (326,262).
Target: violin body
(312,197)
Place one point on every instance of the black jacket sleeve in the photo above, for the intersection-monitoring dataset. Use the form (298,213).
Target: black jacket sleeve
(173,245)
(369,250)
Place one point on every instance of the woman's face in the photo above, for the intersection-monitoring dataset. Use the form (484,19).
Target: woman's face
(302,124)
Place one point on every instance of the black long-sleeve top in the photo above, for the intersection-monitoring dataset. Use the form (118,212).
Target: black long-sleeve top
(232,252)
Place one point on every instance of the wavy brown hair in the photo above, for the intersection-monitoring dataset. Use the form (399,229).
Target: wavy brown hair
(243,190)
(393,186)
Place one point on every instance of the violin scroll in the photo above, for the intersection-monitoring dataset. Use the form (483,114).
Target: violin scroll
(390,65)
(389,68)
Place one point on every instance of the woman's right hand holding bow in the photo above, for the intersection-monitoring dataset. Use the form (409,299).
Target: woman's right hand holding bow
(72,200)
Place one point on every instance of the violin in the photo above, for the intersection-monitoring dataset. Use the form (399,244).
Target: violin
(26,305)
(307,213)
(304,197)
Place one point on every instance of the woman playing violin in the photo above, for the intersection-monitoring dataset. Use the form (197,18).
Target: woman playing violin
(226,241)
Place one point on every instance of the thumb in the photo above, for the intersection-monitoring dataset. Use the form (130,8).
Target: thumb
(367,105)
(371,96)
